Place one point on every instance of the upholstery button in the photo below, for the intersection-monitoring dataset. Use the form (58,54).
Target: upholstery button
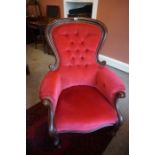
(72,43)
(86,65)
(66,35)
(68,51)
(82,42)
(86,50)
(72,60)
(82,58)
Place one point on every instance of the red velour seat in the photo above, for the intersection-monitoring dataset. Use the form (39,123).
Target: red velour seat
(80,91)
(83,109)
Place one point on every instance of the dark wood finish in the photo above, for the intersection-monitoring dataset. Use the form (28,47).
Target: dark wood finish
(103,63)
(52,67)
(56,137)
(52,132)
(36,28)
(48,104)
(121,95)
(55,66)
(117,97)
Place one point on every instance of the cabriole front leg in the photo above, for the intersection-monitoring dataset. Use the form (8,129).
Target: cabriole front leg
(118,96)
(53,134)
(120,117)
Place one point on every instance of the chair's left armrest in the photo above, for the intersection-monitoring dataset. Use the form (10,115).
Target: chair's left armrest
(50,88)
(110,85)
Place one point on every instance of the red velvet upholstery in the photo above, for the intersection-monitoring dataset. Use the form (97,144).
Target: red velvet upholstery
(78,111)
(109,84)
(76,44)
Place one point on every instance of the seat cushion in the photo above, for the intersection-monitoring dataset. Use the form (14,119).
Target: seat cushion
(83,109)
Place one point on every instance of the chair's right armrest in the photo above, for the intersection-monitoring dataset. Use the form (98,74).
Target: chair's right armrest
(110,85)
(48,104)
(50,88)
(49,92)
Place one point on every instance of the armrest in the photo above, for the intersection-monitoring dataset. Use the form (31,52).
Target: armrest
(50,88)
(110,85)
(49,92)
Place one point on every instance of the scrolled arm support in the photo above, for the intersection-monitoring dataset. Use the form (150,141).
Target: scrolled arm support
(103,62)
(52,67)
(120,94)
(48,104)
(52,131)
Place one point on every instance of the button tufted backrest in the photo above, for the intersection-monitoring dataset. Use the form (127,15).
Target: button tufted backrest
(75,42)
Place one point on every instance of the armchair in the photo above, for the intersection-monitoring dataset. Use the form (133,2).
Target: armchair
(80,91)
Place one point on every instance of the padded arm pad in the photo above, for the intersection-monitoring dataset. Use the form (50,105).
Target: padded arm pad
(109,84)
(51,87)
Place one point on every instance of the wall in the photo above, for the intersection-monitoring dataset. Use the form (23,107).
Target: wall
(114,13)
(43,4)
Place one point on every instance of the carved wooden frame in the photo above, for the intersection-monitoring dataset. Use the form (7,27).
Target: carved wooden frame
(53,67)
(70,20)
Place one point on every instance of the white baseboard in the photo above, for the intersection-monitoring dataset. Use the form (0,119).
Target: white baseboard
(115,63)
